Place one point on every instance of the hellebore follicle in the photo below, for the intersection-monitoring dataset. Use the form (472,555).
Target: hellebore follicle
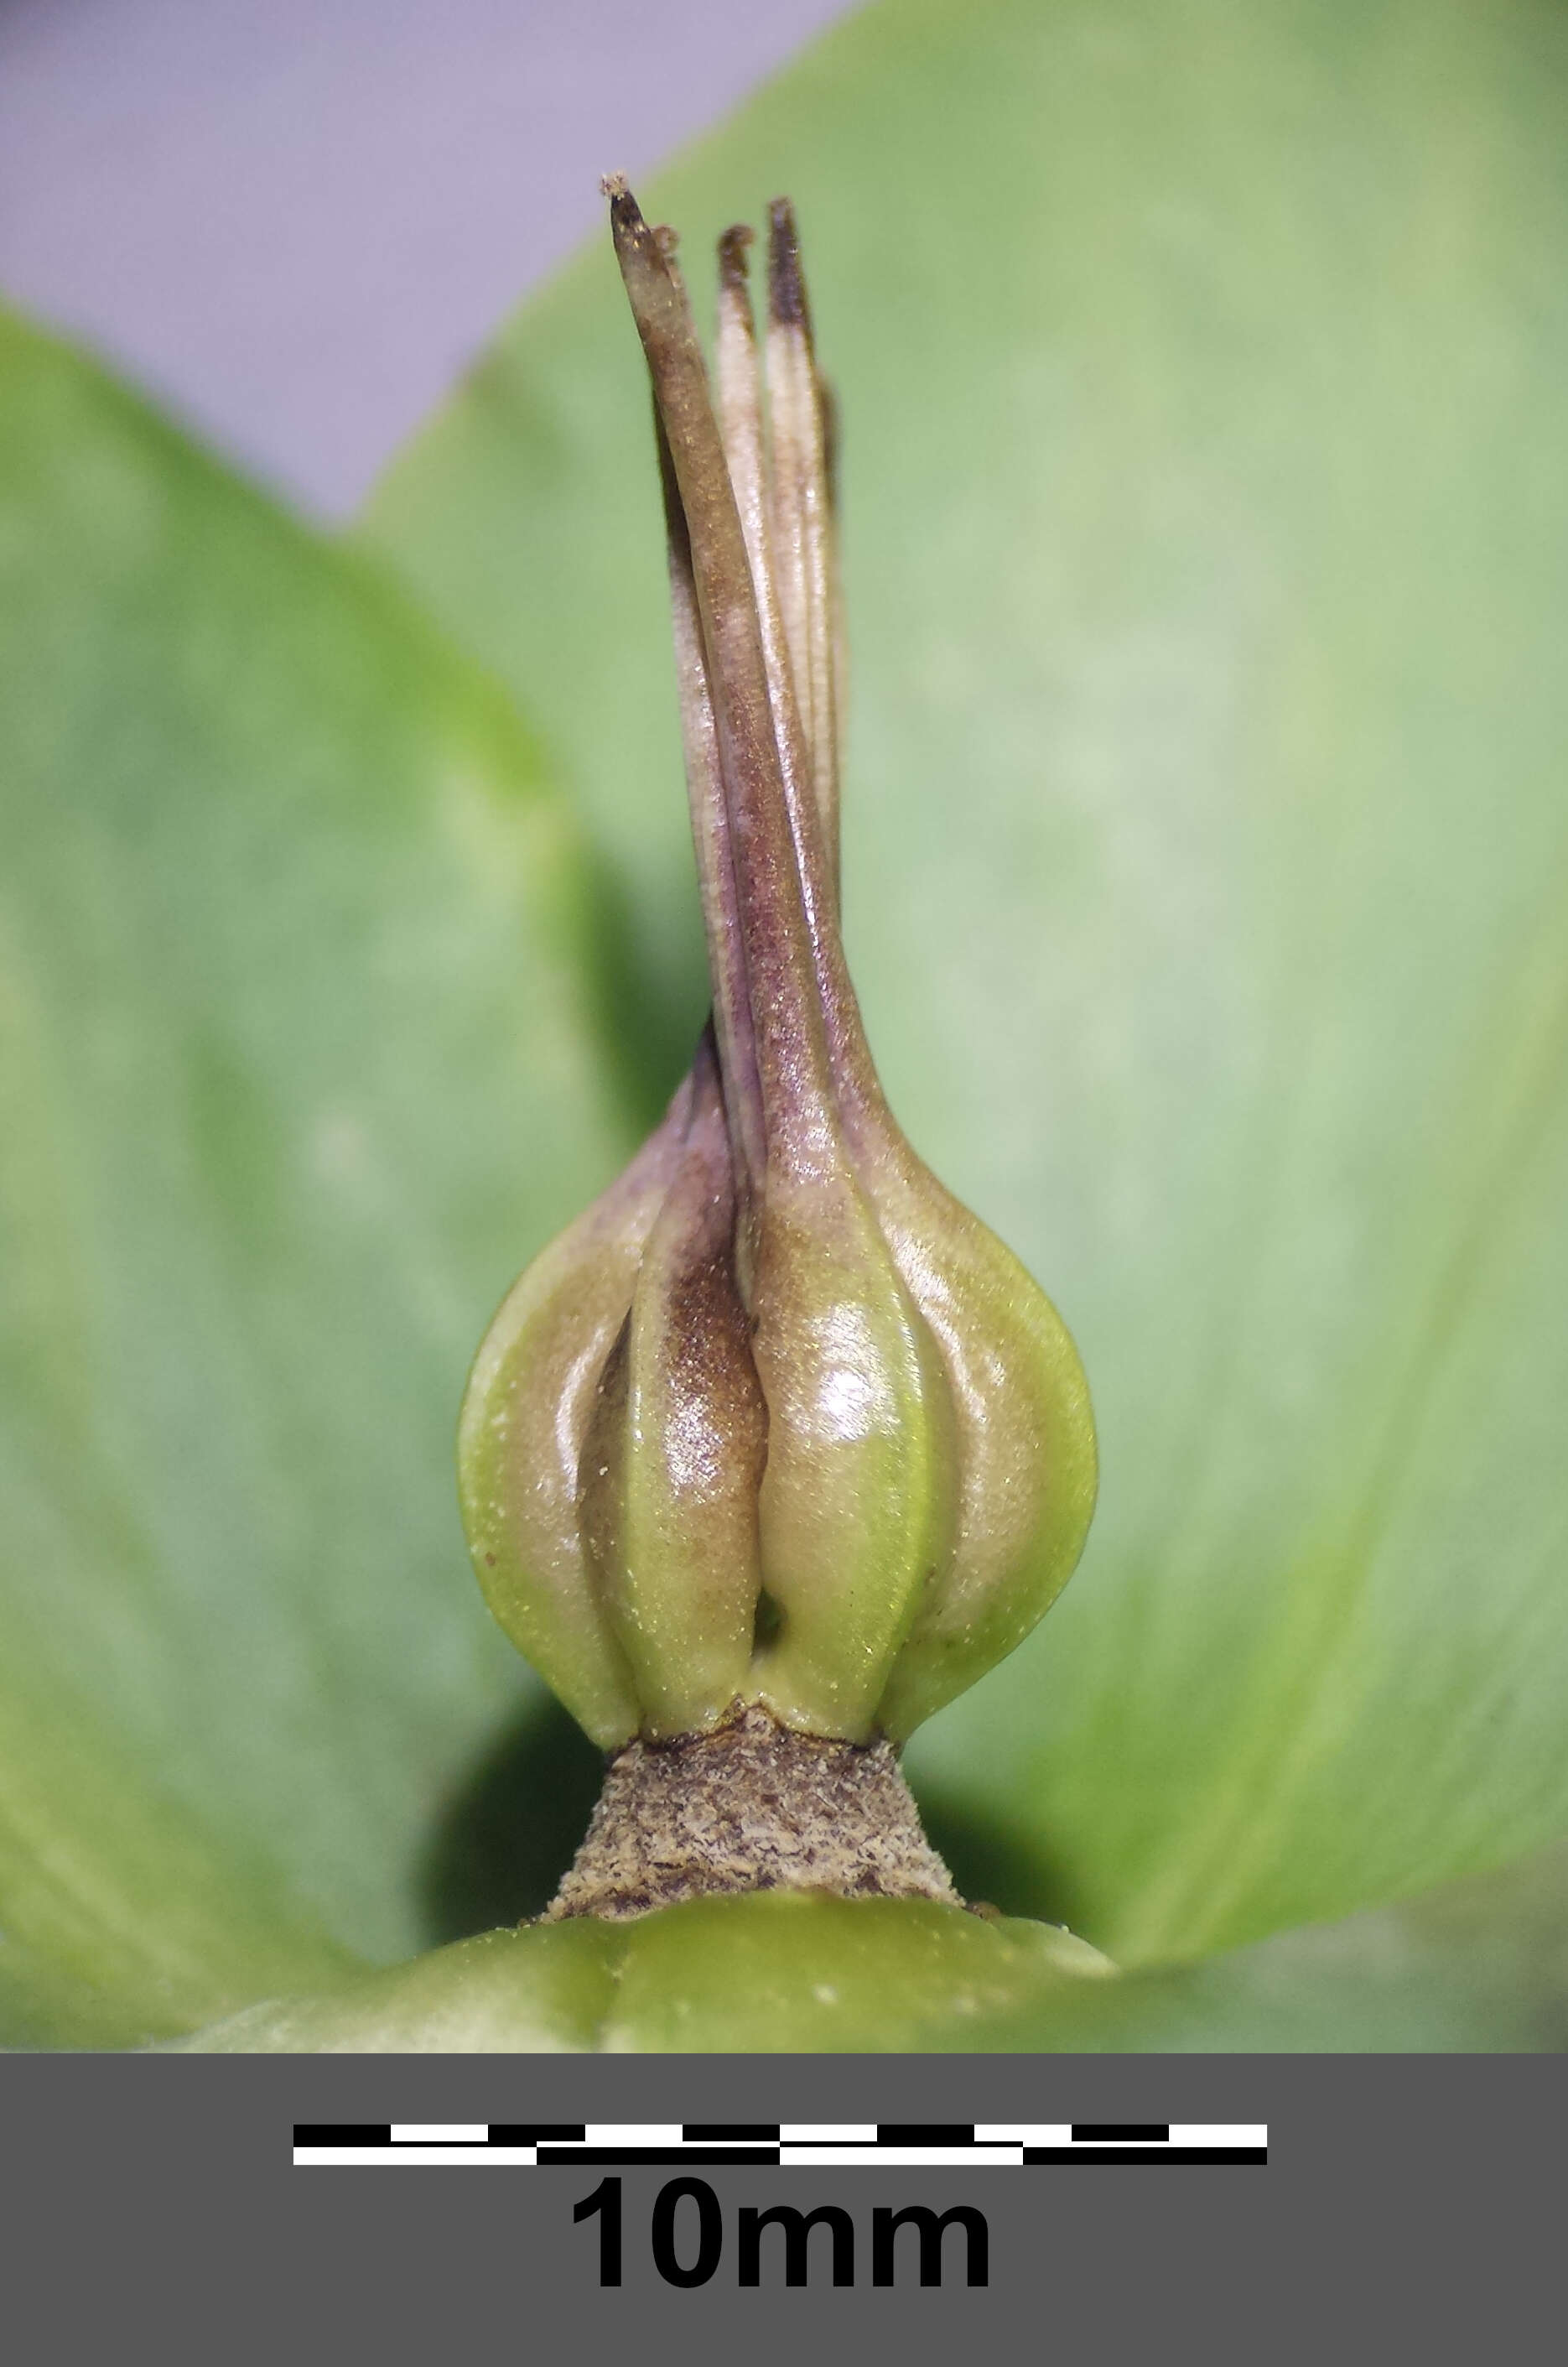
(777,1439)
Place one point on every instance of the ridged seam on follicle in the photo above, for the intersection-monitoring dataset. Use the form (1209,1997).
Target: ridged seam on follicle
(822,1286)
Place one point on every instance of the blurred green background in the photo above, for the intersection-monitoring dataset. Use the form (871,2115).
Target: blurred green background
(1202,369)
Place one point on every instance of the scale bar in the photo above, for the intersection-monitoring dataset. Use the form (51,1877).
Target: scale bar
(730,2132)
(534,2133)
(925,2133)
(1120,2156)
(1121,2133)
(693,2145)
(899,2157)
(655,2157)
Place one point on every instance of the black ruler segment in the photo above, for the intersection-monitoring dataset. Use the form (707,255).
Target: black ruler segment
(729,2132)
(1134,2132)
(342,2133)
(924,2133)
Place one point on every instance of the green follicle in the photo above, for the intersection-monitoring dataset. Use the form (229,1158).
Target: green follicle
(674,1449)
(778,1423)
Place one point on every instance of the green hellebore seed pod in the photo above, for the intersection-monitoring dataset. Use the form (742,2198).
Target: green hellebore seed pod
(777,1423)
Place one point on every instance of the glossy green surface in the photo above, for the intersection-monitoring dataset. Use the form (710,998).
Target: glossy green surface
(1476,1966)
(780,1972)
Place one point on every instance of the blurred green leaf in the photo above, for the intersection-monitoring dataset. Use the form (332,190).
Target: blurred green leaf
(1480,1965)
(1202,371)
(1477,1966)
(775,1972)
(300,1053)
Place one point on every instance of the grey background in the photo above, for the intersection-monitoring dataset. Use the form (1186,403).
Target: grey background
(295,221)
(1408,2211)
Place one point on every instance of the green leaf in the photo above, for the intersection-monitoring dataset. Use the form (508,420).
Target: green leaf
(1476,1966)
(1481,1966)
(300,1053)
(1202,371)
(776,1972)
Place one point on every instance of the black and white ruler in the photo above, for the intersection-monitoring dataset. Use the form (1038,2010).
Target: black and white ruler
(908,2144)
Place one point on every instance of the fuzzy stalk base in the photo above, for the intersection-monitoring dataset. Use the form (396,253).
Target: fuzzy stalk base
(751,1806)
